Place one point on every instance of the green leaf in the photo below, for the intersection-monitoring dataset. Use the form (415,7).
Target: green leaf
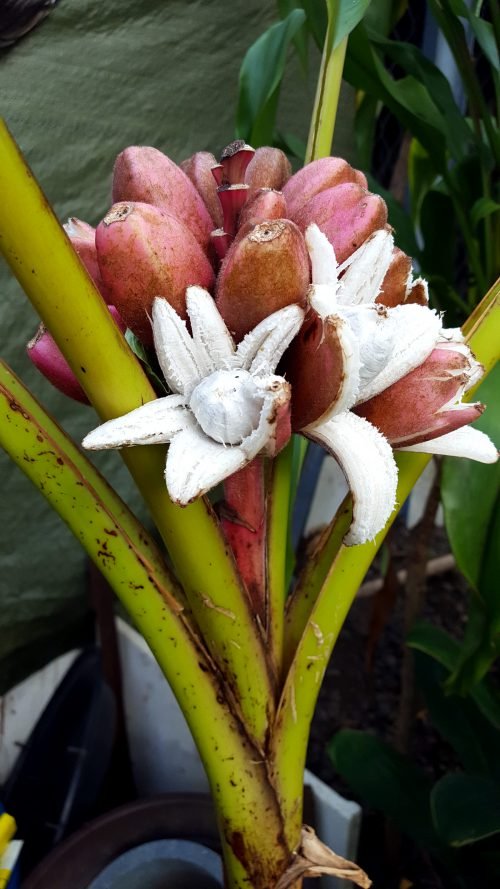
(135,344)
(317,20)
(478,650)
(483,31)
(300,41)
(466,179)
(141,352)
(348,14)
(387,781)
(262,71)
(482,208)
(421,176)
(465,809)
(364,130)
(444,298)
(455,35)
(481,642)
(412,97)
(384,14)
(292,145)
(438,644)
(470,491)
(458,719)
(471,498)
(490,568)
(437,90)
(441,220)
(484,34)
(407,98)
(437,227)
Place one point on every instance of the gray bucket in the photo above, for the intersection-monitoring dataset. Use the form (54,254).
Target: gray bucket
(163,864)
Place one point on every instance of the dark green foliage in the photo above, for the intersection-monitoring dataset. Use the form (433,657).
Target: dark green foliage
(462,809)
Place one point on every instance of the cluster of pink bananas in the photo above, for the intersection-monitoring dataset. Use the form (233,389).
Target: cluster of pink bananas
(268,268)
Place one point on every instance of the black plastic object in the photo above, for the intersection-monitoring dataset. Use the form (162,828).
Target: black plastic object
(17,17)
(79,861)
(59,773)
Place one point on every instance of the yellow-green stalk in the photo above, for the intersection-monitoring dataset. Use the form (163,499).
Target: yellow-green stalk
(319,143)
(278,518)
(42,258)
(335,598)
(301,601)
(129,560)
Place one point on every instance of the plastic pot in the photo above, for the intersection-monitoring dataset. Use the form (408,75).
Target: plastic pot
(168,842)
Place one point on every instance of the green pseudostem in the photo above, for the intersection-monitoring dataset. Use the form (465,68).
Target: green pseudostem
(317,620)
(42,258)
(130,561)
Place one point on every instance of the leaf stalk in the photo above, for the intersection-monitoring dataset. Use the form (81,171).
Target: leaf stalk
(337,593)
(42,258)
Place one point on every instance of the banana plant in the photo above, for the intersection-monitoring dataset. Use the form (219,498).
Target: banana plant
(262,310)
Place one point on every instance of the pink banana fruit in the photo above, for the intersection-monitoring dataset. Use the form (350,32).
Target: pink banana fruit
(264,271)
(316,347)
(318,176)
(269,168)
(398,286)
(49,360)
(426,402)
(264,205)
(144,253)
(198,168)
(346,214)
(82,236)
(143,174)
